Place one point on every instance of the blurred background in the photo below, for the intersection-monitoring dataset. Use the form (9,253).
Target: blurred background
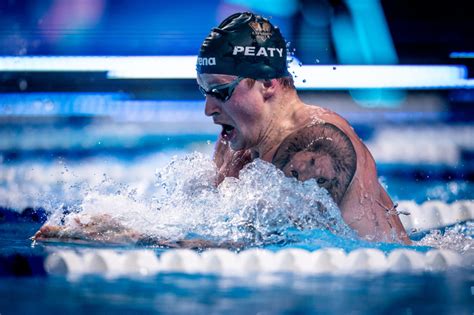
(88,81)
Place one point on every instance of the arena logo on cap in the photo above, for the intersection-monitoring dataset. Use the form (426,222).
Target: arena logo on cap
(206,61)
(262,30)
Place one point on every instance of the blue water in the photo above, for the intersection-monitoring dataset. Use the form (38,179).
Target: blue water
(25,287)
(181,294)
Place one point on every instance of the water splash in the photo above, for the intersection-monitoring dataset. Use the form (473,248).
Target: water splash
(179,201)
(457,238)
(255,209)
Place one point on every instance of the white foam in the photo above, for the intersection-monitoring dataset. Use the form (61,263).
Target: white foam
(254,209)
(457,238)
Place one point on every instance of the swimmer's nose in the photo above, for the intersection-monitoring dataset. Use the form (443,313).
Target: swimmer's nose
(212,106)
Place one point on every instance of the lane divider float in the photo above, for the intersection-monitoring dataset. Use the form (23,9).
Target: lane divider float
(434,214)
(252,261)
(426,216)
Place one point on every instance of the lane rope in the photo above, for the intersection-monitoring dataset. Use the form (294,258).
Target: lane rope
(426,216)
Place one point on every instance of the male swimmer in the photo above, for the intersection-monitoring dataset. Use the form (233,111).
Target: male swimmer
(242,71)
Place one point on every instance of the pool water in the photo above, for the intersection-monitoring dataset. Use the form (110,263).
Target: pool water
(125,171)
(183,294)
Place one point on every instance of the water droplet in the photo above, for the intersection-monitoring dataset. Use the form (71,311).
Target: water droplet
(304,80)
(317,60)
(23,84)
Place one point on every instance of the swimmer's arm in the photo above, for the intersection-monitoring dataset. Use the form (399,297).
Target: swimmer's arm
(347,170)
(99,229)
(366,206)
(228,161)
(103,229)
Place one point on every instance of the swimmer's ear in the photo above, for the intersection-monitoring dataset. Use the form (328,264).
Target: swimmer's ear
(268,88)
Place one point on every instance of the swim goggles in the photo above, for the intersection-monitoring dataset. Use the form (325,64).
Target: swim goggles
(222,92)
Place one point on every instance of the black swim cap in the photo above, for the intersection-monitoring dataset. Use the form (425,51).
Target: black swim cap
(245,45)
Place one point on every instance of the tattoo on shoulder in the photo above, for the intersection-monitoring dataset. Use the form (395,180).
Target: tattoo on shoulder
(322,152)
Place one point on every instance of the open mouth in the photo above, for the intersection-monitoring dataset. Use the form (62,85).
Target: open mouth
(227,131)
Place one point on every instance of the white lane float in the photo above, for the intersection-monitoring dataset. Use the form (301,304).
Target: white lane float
(434,214)
(250,262)
(65,262)
(429,215)
(403,260)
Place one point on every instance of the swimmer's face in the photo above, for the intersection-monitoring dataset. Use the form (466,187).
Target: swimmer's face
(241,116)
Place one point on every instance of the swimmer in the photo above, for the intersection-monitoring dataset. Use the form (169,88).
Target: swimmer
(242,72)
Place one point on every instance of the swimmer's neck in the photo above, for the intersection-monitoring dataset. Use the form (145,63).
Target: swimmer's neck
(287,115)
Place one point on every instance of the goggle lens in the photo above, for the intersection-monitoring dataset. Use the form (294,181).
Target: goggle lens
(222,92)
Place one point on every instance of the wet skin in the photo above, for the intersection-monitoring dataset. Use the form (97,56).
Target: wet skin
(350,176)
(267,121)
(319,151)
(105,229)
(303,166)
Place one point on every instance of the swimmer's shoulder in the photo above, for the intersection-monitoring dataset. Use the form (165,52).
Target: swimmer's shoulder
(315,134)
(317,113)
(322,151)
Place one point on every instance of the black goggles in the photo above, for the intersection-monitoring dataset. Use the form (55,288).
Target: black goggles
(222,92)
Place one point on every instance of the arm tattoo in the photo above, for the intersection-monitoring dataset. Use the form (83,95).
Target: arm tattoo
(322,152)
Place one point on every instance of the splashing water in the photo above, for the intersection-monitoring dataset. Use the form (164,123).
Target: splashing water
(256,209)
(180,201)
(457,238)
